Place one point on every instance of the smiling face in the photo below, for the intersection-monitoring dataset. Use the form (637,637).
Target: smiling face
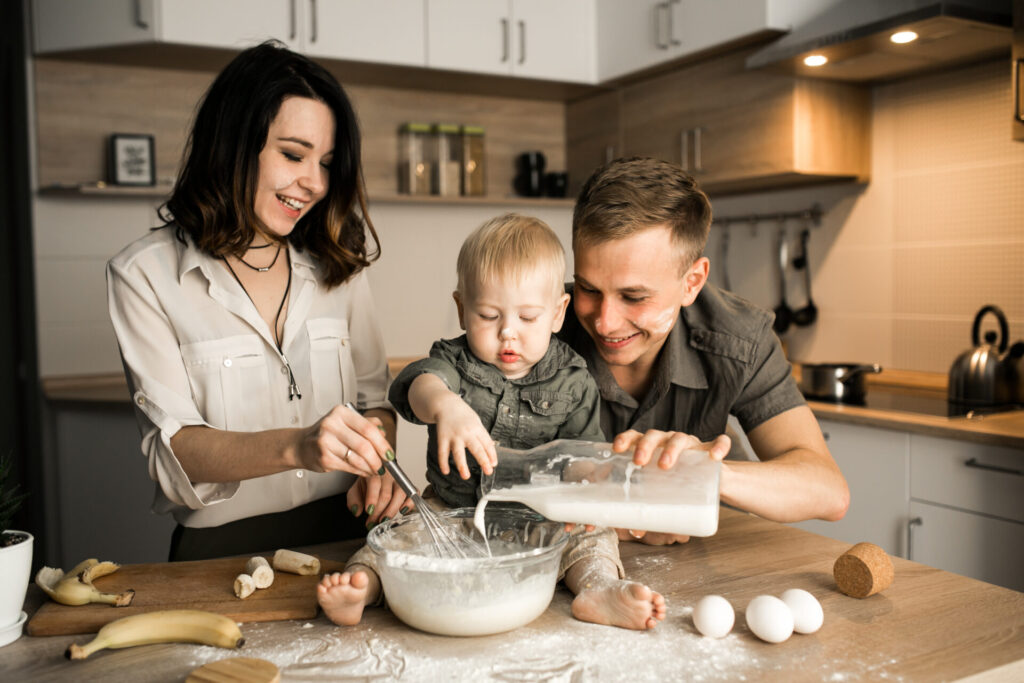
(628,293)
(509,322)
(293,174)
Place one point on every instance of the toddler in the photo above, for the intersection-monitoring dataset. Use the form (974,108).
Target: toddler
(507,380)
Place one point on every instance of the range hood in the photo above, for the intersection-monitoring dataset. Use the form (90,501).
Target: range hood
(854,36)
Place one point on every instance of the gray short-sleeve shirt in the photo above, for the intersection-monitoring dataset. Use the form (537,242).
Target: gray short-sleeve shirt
(721,358)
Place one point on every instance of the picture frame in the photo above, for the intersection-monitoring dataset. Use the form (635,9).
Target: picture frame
(131,159)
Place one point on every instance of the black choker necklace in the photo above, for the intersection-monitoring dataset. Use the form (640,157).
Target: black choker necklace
(260,246)
(258,269)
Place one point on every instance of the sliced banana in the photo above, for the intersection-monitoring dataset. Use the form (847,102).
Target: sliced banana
(296,563)
(259,569)
(244,586)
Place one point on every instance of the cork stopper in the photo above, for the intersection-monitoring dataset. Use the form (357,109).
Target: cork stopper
(863,570)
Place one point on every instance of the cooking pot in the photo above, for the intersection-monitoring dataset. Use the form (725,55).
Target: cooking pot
(979,376)
(835,381)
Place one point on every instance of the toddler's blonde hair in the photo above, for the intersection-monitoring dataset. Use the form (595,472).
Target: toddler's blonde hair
(508,248)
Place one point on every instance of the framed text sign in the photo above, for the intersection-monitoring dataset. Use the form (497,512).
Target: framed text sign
(130,160)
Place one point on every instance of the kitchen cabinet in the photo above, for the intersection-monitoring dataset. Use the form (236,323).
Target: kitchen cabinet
(593,136)
(875,464)
(967,509)
(635,35)
(737,130)
(384,31)
(61,25)
(527,38)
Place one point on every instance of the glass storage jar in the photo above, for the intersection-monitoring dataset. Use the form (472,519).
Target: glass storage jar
(414,158)
(474,179)
(449,160)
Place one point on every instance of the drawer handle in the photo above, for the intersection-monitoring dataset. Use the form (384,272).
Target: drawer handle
(973,462)
(916,521)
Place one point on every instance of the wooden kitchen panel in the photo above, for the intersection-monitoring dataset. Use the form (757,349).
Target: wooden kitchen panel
(203,584)
(738,130)
(79,104)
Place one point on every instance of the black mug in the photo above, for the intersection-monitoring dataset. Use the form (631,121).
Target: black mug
(529,180)
(556,184)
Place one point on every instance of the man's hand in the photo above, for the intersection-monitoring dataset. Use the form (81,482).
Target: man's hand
(671,445)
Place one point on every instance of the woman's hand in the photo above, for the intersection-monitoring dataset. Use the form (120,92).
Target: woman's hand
(671,444)
(650,537)
(379,496)
(459,429)
(344,441)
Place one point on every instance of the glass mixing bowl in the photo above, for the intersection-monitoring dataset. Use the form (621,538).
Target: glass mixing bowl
(470,596)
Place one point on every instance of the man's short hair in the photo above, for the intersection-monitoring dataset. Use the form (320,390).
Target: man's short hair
(507,248)
(627,196)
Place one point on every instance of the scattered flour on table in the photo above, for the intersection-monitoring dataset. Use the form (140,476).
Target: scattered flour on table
(577,652)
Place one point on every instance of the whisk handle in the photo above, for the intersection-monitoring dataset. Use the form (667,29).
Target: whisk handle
(397,474)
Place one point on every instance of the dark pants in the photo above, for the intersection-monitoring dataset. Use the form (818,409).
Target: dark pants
(322,521)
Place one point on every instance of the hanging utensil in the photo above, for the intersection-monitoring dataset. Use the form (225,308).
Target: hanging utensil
(808,314)
(783,313)
(724,257)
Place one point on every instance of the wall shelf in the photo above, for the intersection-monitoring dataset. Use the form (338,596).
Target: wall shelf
(162,191)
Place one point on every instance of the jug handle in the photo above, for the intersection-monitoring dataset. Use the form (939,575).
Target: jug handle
(1004,331)
(853,372)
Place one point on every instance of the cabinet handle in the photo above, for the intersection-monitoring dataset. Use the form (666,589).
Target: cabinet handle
(659,24)
(142,13)
(522,41)
(291,20)
(1018,101)
(672,23)
(697,135)
(504,40)
(312,6)
(973,462)
(684,149)
(916,521)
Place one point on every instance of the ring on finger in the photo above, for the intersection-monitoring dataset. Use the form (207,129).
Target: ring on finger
(635,534)
(347,454)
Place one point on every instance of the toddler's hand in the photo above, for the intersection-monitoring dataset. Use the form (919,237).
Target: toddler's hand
(459,429)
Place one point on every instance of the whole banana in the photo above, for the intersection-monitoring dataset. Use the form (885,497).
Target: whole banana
(163,626)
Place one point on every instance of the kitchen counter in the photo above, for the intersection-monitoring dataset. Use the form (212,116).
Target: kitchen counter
(1002,429)
(929,625)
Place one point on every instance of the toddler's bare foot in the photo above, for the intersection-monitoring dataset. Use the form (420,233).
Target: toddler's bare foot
(620,603)
(343,596)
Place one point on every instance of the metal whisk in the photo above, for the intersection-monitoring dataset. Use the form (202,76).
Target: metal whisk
(448,539)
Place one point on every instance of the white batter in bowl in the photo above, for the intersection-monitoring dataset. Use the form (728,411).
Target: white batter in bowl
(471,596)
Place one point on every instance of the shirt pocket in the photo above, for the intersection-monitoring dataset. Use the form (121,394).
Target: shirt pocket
(330,363)
(230,382)
(549,410)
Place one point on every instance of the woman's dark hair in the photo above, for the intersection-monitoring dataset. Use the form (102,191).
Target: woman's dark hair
(213,197)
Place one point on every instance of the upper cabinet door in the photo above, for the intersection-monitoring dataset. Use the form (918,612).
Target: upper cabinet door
(228,23)
(382,31)
(554,40)
(72,24)
(631,35)
(470,35)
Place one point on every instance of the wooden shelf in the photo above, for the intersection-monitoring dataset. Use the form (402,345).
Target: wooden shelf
(162,191)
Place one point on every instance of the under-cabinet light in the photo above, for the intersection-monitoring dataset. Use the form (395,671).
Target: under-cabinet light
(815,60)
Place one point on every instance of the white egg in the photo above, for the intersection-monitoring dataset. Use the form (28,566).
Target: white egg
(713,616)
(770,619)
(807,613)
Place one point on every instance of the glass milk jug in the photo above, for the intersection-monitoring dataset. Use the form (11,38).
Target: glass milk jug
(585,483)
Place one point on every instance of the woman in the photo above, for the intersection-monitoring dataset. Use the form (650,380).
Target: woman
(245,322)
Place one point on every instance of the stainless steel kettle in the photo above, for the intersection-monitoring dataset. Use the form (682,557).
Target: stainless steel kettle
(979,376)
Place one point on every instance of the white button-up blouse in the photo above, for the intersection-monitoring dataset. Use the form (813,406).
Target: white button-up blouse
(196,352)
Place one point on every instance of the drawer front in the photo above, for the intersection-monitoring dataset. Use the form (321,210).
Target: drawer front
(968,544)
(967,476)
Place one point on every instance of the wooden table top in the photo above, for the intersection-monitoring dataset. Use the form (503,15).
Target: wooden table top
(929,625)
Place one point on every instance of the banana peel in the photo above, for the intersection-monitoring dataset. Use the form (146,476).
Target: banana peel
(75,588)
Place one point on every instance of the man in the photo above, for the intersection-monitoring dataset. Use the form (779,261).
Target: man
(674,356)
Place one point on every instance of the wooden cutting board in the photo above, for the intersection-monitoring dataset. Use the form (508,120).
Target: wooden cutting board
(203,584)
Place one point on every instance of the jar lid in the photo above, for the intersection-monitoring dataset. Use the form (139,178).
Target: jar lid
(413,127)
(449,128)
(472,130)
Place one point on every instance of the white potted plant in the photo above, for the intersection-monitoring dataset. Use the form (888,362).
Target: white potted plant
(15,559)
